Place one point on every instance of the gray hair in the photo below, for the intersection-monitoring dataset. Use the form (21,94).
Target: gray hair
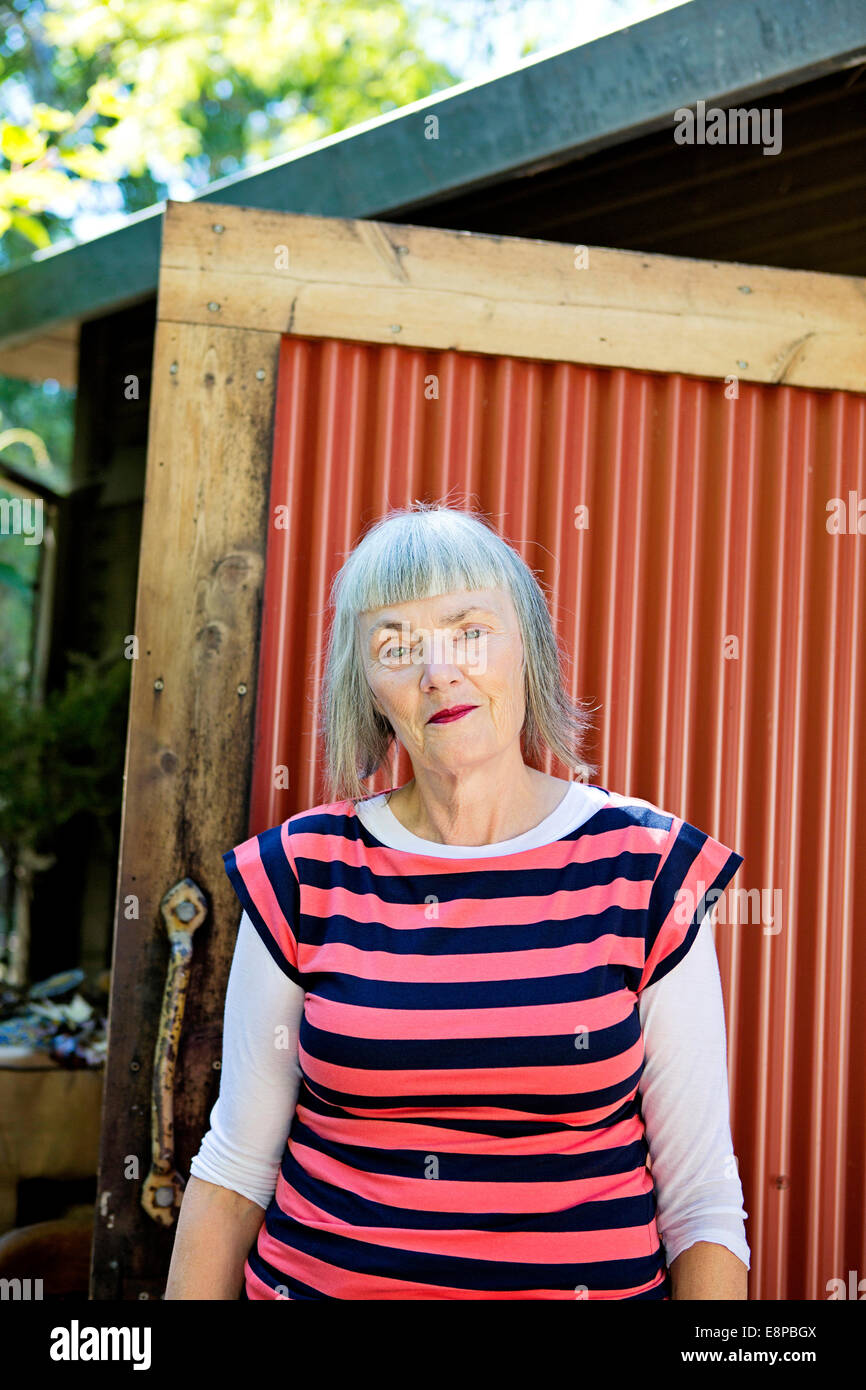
(415,553)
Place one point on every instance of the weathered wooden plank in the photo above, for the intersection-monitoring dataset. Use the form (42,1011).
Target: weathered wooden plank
(425,287)
(188,754)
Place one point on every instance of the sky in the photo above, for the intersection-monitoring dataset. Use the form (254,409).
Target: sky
(556,23)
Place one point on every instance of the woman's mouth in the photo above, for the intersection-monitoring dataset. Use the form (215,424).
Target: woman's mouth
(446,716)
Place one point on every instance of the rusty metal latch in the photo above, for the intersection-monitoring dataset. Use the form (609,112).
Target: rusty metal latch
(183,909)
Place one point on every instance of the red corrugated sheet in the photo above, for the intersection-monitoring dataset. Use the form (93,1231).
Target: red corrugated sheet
(709,610)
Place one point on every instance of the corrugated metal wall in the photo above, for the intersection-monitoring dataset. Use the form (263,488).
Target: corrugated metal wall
(708,610)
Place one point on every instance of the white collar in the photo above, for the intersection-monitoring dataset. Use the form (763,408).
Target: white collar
(579,803)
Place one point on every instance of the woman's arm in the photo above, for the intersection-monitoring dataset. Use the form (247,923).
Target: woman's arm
(706,1270)
(234,1174)
(686,1109)
(215,1230)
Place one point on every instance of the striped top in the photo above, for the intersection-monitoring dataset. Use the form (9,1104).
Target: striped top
(468,1122)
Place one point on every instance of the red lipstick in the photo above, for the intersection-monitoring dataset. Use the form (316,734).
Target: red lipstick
(445,716)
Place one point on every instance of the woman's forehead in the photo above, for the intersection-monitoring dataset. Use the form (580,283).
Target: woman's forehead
(441,608)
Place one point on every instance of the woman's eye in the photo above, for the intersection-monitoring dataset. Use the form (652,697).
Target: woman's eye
(479,630)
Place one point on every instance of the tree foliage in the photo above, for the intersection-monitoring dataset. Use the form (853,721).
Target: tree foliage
(62,756)
(136,94)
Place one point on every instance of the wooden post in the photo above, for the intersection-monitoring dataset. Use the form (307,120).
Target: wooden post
(188,755)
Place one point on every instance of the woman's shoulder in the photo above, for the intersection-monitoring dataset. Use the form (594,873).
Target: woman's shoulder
(281,838)
(636,810)
(323,808)
(326,818)
(684,850)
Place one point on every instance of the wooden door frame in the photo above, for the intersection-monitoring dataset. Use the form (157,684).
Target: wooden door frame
(233,281)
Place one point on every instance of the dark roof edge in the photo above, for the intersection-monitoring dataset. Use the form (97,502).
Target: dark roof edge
(578,100)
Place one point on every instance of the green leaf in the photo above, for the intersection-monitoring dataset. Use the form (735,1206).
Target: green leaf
(32,228)
(88,162)
(107,98)
(21,145)
(51,117)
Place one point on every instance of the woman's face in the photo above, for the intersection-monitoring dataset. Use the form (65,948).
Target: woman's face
(462,648)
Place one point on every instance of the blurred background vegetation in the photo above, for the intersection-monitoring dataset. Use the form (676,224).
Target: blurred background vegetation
(134,94)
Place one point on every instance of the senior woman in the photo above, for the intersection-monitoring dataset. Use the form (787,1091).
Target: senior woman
(474,1040)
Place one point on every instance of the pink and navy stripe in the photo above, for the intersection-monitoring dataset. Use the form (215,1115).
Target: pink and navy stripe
(468,1124)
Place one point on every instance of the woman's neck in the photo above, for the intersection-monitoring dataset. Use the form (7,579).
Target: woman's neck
(468,814)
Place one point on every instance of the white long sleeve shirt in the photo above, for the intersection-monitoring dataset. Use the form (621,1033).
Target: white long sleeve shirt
(683,1087)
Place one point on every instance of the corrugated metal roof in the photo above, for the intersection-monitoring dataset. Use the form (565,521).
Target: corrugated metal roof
(719,624)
